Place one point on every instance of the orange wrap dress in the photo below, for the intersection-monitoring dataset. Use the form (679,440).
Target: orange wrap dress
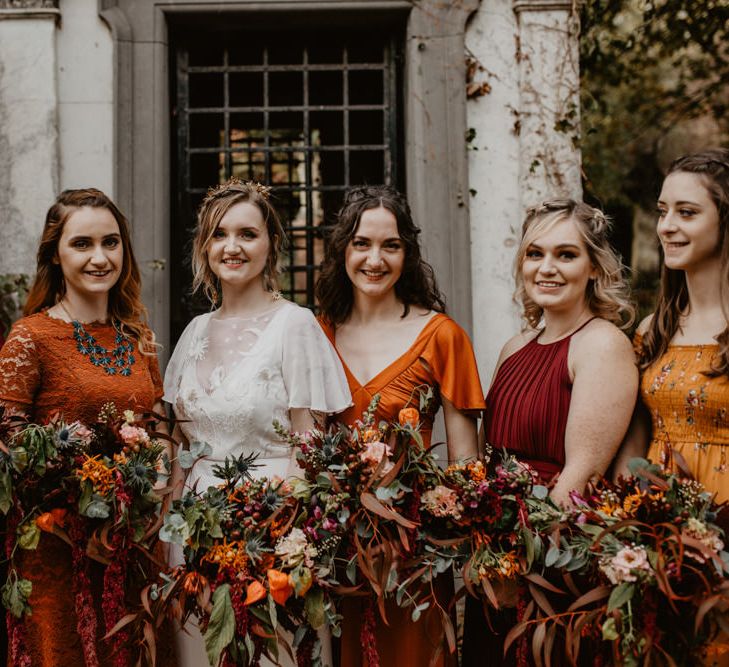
(690,415)
(42,372)
(441,357)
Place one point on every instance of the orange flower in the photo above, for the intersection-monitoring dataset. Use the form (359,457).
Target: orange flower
(59,516)
(194,583)
(408,416)
(281,589)
(98,474)
(477,470)
(370,434)
(45,522)
(254,592)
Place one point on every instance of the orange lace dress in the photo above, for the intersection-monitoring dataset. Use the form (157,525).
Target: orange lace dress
(442,358)
(42,372)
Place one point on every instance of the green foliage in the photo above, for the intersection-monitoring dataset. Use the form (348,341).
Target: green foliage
(15,594)
(13,292)
(221,628)
(645,66)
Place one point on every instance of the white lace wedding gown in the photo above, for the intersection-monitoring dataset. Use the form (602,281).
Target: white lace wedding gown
(229,378)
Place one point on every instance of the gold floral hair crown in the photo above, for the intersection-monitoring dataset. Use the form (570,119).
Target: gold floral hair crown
(235,184)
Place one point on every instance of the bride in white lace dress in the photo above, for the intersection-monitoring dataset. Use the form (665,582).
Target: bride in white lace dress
(256,359)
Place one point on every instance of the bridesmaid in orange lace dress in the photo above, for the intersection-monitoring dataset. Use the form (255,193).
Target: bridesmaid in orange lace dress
(382,310)
(683,415)
(86,294)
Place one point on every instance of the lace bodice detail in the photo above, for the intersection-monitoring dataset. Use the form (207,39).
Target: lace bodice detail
(42,372)
(231,378)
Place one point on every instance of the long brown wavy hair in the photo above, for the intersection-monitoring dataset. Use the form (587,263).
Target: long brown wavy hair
(49,287)
(673,299)
(607,295)
(218,201)
(417,285)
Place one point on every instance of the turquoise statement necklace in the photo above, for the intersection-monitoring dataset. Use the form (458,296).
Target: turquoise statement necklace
(120,360)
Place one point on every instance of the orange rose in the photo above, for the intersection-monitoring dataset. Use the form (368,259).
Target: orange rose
(45,522)
(254,592)
(59,516)
(281,589)
(408,416)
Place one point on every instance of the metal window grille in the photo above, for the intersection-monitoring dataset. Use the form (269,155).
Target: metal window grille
(309,116)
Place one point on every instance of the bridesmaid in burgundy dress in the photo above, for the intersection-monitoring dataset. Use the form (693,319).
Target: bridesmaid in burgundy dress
(564,388)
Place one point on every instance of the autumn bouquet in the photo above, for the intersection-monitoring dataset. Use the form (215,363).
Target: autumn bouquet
(374,474)
(257,565)
(645,568)
(92,487)
(476,518)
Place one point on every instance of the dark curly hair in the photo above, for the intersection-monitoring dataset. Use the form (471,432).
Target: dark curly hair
(416,286)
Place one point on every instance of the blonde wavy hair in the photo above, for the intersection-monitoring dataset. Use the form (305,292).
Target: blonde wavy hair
(218,201)
(608,294)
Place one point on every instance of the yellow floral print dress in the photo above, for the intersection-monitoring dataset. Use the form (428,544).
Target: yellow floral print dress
(689,414)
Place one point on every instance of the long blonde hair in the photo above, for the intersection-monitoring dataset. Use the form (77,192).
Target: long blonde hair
(608,294)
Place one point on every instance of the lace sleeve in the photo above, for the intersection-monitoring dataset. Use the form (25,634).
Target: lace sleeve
(176,364)
(20,371)
(312,372)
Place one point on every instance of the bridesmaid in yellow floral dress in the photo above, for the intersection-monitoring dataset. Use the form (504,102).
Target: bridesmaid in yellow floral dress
(683,346)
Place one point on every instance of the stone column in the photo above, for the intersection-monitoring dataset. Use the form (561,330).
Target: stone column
(523,114)
(549,109)
(28,127)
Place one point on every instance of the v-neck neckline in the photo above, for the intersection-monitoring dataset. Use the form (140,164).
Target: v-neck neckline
(377,380)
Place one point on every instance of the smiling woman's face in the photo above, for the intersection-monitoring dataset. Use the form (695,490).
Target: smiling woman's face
(556,268)
(90,251)
(375,255)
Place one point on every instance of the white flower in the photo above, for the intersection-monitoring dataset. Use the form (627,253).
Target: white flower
(626,565)
(198,347)
(293,547)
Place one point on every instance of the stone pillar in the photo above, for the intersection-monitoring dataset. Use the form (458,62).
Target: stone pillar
(549,109)
(28,127)
(523,56)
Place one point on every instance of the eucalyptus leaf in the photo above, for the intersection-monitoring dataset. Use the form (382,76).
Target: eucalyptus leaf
(221,628)
(609,631)
(314,608)
(6,491)
(186,459)
(28,535)
(552,556)
(620,595)
(199,449)
(174,529)
(97,509)
(540,492)
(15,594)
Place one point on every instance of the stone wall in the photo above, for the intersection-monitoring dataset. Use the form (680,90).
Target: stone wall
(28,128)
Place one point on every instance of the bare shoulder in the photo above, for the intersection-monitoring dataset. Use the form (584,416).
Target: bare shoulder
(515,343)
(644,324)
(601,339)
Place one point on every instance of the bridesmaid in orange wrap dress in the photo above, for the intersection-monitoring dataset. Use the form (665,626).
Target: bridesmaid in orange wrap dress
(683,347)
(86,295)
(382,310)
